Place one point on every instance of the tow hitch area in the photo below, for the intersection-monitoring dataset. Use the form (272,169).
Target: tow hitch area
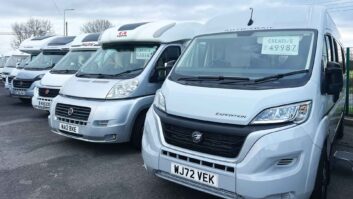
(344,156)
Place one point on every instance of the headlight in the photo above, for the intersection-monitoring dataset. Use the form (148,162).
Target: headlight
(297,113)
(159,101)
(39,77)
(35,91)
(123,89)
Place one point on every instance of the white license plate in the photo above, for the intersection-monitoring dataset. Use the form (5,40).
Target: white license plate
(195,174)
(69,128)
(19,92)
(44,104)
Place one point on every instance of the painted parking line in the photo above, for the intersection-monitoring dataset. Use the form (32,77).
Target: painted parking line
(20,121)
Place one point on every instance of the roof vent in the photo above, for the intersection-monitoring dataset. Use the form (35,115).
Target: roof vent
(162,30)
(91,37)
(131,26)
(61,41)
(41,38)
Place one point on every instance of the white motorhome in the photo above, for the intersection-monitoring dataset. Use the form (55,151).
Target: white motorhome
(252,107)
(3,60)
(15,57)
(108,98)
(82,48)
(26,80)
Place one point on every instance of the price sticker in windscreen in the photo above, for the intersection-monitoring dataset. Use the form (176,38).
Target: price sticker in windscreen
(283,45)
(144,53)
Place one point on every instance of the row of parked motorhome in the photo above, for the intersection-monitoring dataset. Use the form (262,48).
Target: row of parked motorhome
(242,107)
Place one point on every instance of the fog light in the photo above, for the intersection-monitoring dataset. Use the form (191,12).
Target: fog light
(110,137)
(101,123)
(288,195)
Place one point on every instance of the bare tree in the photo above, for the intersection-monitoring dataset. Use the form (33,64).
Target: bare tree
(96,26)
(31,28)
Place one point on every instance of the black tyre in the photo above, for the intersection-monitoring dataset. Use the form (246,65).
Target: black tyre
(137,132)
(26,100)
(340,130)
(322,177)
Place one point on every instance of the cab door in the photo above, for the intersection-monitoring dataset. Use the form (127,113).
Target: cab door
(335,109)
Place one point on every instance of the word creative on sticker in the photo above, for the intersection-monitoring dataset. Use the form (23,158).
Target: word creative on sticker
(283,45)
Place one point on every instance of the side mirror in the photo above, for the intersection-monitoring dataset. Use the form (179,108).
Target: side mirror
(334,79)
(160,73)
(18,64)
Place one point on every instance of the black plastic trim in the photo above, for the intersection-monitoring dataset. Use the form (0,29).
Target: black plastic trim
(229,129)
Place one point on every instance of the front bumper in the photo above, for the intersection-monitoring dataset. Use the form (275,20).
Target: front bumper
(273,163)
(110,121)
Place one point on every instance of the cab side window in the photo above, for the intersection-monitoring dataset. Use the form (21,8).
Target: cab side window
(340,56)
(329,48)
(171,53)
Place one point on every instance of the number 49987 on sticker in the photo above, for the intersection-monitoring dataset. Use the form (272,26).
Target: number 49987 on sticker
(195,174)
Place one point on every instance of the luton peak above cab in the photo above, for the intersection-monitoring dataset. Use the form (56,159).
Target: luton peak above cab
(27,79)
(252,107)
(82,48)
(15,58)
(34,46)
(108,98)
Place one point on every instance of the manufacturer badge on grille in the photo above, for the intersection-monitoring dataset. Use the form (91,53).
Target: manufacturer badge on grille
(46,91)
(197,137)
(70,111)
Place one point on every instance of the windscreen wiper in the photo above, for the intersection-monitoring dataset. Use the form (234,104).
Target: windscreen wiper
(126,72)
(63,71)
(279,76)
(213,78)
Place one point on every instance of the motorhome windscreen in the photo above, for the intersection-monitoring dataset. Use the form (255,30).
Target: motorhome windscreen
(118,61)
(247,56)
(24,63)
(2,62)
(14,60)
(45,60)
(72,61)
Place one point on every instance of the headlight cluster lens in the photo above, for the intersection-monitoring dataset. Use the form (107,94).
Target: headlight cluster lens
(123,89)
(297,113)
(159,101)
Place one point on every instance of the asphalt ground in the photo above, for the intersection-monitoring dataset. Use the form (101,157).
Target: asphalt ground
(35,163)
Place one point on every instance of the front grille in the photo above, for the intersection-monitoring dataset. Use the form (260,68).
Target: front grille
(214,143)
(76,113)
(46,92)
(71,121)
(22,83)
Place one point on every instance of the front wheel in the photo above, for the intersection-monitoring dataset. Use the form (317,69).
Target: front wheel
(137,132)
(322,177)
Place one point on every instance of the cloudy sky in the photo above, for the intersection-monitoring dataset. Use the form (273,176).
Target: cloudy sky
(119,11)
